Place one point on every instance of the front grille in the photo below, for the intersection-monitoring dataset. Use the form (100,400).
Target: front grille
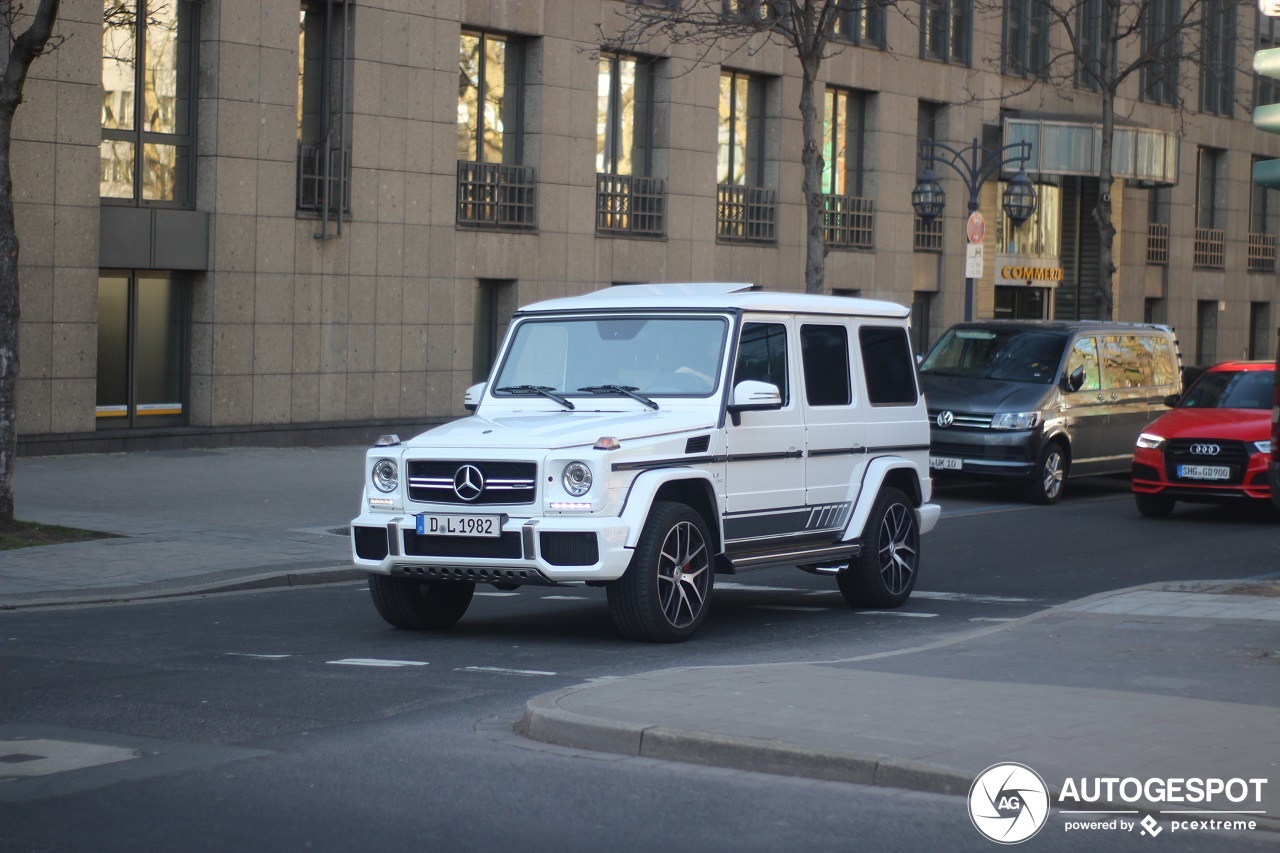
(569,549)
(371,542)
(431,481)
(504,547)
(1231,454)
(1002,453)
(963,420)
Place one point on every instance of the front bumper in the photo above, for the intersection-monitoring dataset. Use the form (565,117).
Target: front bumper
(1149,476)
(543,550)
(1001,454)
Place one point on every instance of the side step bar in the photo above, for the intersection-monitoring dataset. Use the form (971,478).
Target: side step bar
(830,554)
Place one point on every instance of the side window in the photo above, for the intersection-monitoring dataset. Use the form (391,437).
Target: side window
(887,365)
(1123,363)
(825,353)
(762,356)
(1160,351)
(1084,353)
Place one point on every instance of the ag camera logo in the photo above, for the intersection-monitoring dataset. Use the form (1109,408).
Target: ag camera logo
(1008,803)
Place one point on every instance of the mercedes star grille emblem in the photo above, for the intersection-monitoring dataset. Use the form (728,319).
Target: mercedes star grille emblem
(946,419)
(468,483)
(1205,449)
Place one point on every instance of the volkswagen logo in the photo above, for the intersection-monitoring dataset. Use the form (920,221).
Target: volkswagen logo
(946,419)
(1205,449)
(468,483)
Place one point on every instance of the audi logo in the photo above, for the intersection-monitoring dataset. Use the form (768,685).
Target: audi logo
(1205,449)
(946,419)
(468,482)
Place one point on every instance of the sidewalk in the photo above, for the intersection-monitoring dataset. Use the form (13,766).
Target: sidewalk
(1178,681)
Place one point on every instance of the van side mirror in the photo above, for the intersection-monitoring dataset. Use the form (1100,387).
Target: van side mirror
(1076,380)
(1171,400)
(752,396)
(471,397)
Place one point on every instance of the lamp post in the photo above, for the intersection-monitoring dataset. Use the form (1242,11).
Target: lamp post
(974,164)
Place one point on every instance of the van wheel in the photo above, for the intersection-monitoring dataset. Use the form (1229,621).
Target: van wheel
(884,574)
(1050,475)
(663,596)
(419,606)
(1153,506)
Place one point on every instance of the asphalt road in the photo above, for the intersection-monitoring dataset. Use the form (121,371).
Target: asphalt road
(297,720)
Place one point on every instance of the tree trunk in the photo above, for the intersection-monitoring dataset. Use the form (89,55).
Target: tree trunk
(1102,211)
(811,159)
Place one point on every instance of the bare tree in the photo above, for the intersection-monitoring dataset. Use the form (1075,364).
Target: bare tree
(805,27)
(24,47)
(1165,47)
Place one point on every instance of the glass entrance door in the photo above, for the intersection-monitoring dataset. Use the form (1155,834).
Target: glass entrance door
(141,346)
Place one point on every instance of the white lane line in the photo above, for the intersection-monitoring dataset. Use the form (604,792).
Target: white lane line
(248,655)
(896,613)
(498,594)
(502,670)
(993,619)
(377,662)
(754,588)
(565,598)
(785,607)
(965,596)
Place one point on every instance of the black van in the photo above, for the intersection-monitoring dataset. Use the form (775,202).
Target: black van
(1038,401)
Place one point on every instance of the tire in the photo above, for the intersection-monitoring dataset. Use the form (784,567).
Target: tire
(1050,475)
(663,596)
(420,606)
(884,574)
(1154,506)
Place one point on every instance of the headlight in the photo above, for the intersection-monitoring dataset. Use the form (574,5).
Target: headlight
(1262,446)
(1015,420)
(576,479)
(1150,441)
(386,475)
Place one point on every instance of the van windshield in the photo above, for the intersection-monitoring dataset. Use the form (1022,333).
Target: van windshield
(1013,355)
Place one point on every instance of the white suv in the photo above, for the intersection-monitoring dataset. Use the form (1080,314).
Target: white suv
(646,437)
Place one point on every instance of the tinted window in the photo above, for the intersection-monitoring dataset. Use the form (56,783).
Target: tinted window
(886,362)
(762,355)
(825,353)
(1084,356)
(1010,354)
(1222,389)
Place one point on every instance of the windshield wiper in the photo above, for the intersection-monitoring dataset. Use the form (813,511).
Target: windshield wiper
(629,390)
(544,390)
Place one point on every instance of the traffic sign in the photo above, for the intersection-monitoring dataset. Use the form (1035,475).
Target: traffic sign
(1270,8)
(973,260)
(976,227)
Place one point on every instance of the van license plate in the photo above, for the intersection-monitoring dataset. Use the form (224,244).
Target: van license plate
(946,462)
(1204,472)
(485,526)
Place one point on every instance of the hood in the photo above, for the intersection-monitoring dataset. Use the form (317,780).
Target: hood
(986,396)
(553,430)
(1226,424)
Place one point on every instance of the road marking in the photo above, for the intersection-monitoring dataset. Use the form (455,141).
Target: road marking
(377,662)
(565,598)
(897,613)
(502,670)
(263,657)
(993,619)
(965,596)
(746,587)
(498,594)
(785,607)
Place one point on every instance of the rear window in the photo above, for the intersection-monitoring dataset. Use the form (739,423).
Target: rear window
(1230,389)
(887,365)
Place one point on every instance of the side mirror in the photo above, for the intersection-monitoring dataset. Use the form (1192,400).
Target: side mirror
(1171,400)
(471,399)
(1076,380)
(753,396)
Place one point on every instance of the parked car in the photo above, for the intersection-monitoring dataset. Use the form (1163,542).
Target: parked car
(1273,478)
(1038,402)
(643,438)
(1213,446)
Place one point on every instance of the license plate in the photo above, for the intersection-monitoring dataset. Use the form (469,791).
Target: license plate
(1204,472)
(485,526)
(946,462)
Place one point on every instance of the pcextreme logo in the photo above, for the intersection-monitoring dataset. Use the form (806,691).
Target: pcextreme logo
(1009,803)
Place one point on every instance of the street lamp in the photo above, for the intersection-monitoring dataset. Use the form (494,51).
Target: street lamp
(974,164)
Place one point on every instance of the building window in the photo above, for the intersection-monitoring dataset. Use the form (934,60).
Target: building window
(1260,330)
(324,78)
(148,95)
(1158,202)
(861,22)
(748,11)
(849,215)
(1154,310)
(1217,68)
(745,209)
(1094,26)
(921,308)
(928,235)
(494,188)
(1026,39)
(628,199)
(946,29)
(141,346)
(1208,251)
(1266,90)
(1206,331)
(494,305)
(1161,40)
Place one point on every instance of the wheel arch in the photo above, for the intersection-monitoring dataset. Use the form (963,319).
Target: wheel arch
(895,471)
(688,486)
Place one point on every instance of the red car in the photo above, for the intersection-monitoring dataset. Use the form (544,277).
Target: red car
(1214,446)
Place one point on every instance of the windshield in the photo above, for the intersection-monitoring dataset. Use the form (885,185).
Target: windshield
(614,356)
(1010,354)
(1227,389)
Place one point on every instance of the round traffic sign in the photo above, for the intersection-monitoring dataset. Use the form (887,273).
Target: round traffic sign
(976,228)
